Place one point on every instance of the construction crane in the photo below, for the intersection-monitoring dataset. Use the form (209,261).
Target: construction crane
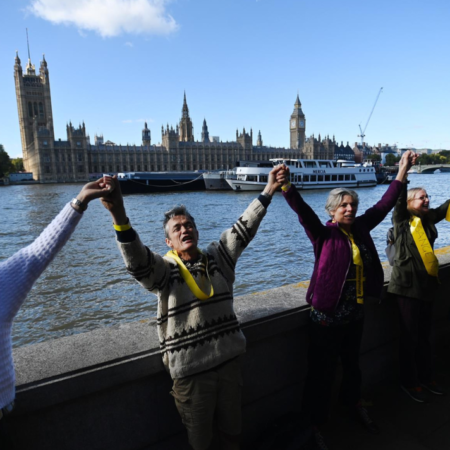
(363,135)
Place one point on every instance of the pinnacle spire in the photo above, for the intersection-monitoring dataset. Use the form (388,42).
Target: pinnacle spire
(185,110)
(30,67)
(17,59)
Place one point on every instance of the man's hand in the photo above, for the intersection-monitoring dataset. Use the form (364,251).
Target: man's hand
(275,179)
(113,202)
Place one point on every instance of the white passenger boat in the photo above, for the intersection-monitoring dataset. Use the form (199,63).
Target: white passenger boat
(308,174)
(217,180)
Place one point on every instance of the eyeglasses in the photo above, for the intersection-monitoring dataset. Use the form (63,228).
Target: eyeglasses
(423,197)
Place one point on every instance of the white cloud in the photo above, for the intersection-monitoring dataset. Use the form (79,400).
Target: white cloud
(128,44)
(108,17)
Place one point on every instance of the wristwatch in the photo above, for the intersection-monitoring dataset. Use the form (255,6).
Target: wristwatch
(80,205)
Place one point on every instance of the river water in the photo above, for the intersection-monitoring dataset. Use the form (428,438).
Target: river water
(87,286)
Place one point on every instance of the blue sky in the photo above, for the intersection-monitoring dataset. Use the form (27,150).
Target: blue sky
(117,63)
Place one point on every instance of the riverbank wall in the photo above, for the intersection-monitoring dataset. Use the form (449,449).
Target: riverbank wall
(107,389)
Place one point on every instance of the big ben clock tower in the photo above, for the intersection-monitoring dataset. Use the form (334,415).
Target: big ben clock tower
(297,125)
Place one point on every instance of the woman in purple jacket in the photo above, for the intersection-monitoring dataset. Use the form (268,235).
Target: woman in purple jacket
(346,270)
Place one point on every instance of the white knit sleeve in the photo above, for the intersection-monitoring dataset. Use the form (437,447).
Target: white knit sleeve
(19,272)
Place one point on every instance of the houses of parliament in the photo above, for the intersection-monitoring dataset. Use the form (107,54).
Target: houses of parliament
(76,159)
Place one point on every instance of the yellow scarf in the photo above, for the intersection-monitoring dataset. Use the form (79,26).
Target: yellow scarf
(426,252)
(189,279)
(358,262)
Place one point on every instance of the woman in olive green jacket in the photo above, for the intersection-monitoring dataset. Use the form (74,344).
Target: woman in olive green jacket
(414,281)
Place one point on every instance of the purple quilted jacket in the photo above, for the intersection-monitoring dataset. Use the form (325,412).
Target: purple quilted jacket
(332,249)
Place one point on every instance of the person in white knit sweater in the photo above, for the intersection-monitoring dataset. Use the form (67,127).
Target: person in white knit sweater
(200,336)
(17,276)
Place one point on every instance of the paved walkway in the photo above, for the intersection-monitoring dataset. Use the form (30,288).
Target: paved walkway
(404,423)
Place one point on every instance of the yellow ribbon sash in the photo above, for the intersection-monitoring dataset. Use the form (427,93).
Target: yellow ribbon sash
(358,262)
(189,279)
(426,252)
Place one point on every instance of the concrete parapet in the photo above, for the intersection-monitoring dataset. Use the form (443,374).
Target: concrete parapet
(108,389)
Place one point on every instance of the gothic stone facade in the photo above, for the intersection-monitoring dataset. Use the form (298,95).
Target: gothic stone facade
(76,160)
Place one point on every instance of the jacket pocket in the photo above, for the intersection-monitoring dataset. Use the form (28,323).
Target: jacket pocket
(402,272)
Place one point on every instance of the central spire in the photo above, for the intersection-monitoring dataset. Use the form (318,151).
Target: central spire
(186,127)
(185,110)
(30,67)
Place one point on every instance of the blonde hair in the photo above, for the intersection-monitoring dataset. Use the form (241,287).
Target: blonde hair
(411,196)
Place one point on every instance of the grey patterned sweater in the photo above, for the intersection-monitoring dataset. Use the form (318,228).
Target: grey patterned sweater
(195,335)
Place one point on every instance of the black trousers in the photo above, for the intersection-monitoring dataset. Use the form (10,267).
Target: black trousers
(6,442)
(326,345)
(416,358)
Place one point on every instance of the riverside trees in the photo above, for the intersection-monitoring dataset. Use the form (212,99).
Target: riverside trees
(8,165)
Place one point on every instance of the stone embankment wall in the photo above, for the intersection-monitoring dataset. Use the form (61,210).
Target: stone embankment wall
(108,389)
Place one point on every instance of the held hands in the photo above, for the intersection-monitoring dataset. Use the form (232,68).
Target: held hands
(113,202)
(408,159)
(93,190)
(283,175)
(276,179)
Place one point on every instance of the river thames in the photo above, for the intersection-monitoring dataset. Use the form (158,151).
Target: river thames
(87,286)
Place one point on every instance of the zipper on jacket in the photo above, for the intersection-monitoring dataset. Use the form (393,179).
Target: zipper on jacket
(346,273)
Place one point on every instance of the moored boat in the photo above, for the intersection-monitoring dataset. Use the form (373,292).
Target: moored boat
(148,182)
(308,174)
(217,180)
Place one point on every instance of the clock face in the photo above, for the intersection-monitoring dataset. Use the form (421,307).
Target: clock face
(302,123)
(292,123)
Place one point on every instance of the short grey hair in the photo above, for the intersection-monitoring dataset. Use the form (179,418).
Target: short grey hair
(179,210)
(336,196)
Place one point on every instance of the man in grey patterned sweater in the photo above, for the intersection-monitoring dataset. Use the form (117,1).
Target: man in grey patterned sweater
(200,337)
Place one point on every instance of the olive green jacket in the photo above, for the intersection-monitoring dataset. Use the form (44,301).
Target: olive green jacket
(409,277)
